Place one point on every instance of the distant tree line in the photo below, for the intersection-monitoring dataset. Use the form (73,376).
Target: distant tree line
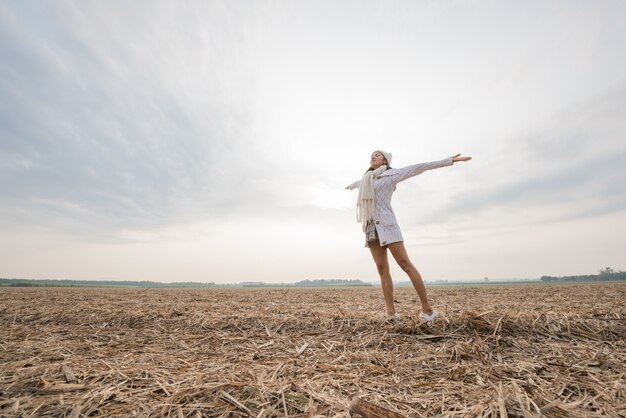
(145,284)
(312,283)
(95,283)
(606,274)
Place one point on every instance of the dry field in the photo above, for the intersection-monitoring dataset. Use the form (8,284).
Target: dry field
(543,350)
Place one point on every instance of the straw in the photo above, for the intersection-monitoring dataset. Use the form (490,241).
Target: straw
(551,350)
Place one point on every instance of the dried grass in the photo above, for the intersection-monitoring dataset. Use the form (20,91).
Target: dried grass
(545,350)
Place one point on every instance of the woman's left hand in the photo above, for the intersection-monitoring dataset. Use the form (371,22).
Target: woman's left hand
(457,158)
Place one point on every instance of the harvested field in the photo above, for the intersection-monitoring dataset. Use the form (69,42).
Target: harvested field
(543,350)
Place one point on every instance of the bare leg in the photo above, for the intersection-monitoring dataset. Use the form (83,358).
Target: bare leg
(402,258)
(382,264)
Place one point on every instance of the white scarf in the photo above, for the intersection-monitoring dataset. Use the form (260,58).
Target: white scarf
(365,201)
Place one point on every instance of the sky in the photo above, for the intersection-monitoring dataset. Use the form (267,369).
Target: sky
(212,141)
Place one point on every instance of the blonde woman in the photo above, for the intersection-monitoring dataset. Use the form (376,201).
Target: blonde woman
(381,229)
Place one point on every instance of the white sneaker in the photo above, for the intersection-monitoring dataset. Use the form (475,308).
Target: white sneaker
(429,318)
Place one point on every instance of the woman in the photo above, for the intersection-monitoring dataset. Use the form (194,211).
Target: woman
(381,228)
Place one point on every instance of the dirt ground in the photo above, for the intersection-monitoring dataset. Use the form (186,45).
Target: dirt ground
(540,350)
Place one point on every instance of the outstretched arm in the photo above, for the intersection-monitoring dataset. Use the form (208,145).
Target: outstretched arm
(413,170)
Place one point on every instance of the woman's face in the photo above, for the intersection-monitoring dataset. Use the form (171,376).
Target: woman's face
(377,160)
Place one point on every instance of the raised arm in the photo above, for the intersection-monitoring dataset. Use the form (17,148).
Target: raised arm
(400,174)
(415,169)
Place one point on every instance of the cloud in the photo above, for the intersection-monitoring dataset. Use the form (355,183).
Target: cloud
(573,161)
(98,131)
(148,133)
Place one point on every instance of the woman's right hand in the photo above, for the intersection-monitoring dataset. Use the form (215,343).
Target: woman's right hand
(458,158)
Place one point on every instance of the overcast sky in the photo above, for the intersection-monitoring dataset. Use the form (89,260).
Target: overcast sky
(212,140)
